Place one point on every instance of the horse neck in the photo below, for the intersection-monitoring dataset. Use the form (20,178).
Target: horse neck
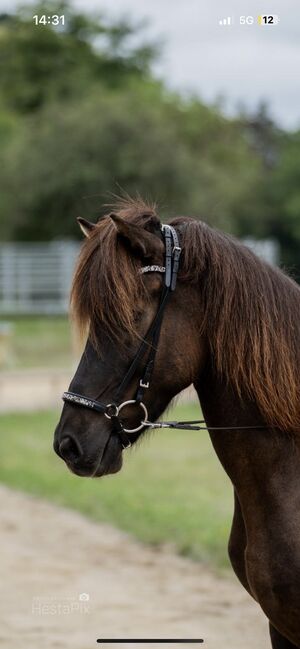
(241,452)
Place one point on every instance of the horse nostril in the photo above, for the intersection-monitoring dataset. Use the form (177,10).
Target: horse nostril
(69,449)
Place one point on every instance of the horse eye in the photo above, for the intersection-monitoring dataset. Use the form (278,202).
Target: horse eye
(138,315)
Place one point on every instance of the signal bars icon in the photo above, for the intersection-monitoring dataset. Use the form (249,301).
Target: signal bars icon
(226,21)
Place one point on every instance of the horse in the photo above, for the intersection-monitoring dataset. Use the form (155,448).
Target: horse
(232,329)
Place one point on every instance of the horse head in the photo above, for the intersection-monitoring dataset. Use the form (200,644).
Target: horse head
(117,294)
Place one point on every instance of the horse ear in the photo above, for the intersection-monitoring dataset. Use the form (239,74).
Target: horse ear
(143,243)
(86,226)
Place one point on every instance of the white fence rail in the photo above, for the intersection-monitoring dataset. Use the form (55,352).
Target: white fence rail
(35,278)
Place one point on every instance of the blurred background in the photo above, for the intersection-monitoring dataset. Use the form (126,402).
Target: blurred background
(147,98)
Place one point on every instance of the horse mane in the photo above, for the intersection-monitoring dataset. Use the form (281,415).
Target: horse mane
(251,315)
(251,310)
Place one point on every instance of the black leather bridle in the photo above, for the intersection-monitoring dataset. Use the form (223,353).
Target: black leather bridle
(150,341)
(113,410)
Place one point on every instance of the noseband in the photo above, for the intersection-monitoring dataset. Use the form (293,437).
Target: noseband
(113,410)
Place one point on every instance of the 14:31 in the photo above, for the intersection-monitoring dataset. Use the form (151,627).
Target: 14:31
(48,20)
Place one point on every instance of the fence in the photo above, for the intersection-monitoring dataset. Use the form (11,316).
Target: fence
(35,278)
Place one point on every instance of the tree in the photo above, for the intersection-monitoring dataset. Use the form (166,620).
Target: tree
(83,114)
(284,195)
(142,139)
(41,63)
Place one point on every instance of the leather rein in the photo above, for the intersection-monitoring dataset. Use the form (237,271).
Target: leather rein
(112,410)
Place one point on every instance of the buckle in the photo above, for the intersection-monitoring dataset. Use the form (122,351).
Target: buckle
(144,385)
(126,444)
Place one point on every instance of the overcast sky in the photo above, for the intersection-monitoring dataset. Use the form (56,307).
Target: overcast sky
(245,64)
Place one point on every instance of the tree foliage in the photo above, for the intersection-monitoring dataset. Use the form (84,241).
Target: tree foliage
(81,115)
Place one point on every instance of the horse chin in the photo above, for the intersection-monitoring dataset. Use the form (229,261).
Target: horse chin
(109,466)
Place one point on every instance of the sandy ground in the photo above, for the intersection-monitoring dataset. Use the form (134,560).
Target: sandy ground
(51,557)
(33,389)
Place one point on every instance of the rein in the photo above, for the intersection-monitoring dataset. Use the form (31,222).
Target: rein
(190,425)
(113,411)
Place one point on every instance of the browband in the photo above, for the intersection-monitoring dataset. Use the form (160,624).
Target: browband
(153,269)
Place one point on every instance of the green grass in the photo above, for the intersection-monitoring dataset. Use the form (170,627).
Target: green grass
(40,342)
(171,488)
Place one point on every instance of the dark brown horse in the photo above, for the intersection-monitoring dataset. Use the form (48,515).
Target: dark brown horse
(231,328)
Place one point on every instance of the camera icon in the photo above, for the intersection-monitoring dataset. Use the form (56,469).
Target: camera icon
(84,597)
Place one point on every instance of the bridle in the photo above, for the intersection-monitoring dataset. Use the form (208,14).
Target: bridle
(150,341)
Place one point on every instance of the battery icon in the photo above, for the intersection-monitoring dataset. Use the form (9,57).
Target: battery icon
(268,19)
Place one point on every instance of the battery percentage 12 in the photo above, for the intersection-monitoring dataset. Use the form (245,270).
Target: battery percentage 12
(266,19)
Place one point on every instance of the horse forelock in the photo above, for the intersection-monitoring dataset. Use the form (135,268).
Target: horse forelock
(107,285)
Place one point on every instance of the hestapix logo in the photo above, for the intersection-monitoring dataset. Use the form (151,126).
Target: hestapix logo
(64,605)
